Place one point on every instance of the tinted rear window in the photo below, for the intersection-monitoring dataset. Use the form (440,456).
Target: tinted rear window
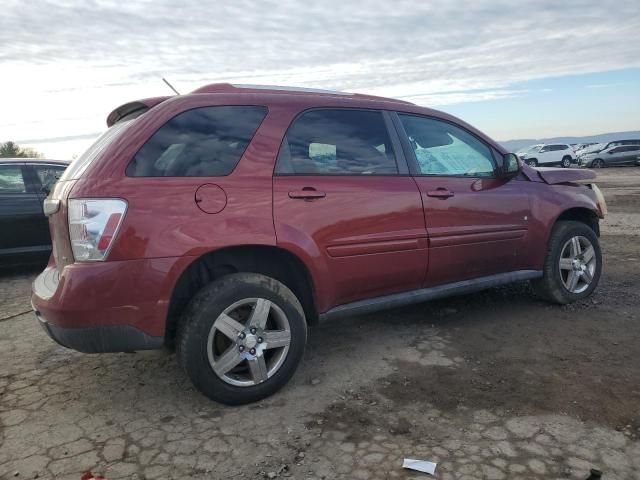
(203,142)
(337,142)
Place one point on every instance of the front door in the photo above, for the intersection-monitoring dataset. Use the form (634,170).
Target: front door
(341,204)
(476,222)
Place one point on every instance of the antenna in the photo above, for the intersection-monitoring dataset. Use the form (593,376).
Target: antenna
(170,86)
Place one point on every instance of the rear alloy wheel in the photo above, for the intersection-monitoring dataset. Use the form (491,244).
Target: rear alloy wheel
(597,163)
(573,264)
(240,335)
(532,162)
(566,162)
(242,338)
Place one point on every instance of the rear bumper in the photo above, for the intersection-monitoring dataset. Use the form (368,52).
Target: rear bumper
(107,306)
(117,338)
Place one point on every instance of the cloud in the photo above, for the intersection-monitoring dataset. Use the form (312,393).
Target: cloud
(73,62)
(452,98)
(607,85)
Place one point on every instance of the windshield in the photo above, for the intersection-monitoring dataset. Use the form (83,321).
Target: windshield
(78,167)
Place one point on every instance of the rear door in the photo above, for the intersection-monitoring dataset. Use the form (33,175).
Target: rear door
(564,151)
(20,212)
(476,221)
(633,154)
(556,152)
(628,155)
(45,176)
(344,200)
(42,177)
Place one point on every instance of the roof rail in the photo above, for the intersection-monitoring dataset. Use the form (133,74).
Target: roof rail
(247,88)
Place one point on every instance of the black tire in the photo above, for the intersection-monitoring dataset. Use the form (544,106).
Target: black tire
(566,162)
(202,312)
(551,287)
(532,162)
(597,163)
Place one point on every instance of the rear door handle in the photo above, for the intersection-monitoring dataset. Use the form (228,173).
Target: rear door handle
(307,193)
(440,193)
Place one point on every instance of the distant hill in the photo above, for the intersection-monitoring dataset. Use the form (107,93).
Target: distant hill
(515,145)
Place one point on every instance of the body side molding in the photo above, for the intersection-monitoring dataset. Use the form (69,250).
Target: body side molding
(424,294)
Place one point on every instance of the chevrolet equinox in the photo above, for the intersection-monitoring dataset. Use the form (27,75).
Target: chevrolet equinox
(224,222)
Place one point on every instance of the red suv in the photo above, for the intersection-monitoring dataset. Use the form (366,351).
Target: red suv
(226,221)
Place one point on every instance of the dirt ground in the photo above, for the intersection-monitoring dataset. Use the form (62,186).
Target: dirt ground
(494,385)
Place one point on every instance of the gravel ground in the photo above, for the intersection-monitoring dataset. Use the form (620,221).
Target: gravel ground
(493,385)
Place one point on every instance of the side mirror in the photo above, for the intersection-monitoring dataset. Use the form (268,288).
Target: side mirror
(510,165)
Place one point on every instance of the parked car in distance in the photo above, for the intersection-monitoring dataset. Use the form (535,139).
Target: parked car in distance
(554,154)
(530,149)
(226,221)
(613,156)
(599,147)
(581,146)
(24,229)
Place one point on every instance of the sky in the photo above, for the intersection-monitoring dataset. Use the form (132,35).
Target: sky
(513,69)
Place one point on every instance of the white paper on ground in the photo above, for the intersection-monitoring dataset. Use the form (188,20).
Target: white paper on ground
(420,465)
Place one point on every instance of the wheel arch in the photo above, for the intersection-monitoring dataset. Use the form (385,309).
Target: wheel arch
(581,214)
(267,260)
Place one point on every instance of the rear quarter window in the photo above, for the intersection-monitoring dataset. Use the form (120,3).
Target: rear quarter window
(203,142)
(78,167)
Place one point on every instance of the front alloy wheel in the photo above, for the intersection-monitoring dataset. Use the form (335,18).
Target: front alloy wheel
(241,338)
(573,263)
(577,264)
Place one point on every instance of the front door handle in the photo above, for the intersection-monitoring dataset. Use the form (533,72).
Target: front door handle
(307,193)
(440,193)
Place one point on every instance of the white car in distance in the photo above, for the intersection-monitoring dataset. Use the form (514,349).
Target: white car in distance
(548,155)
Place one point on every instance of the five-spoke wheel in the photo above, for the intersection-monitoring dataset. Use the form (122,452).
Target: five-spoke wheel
(249,342)
(577,264)
(573,263)
(242,338)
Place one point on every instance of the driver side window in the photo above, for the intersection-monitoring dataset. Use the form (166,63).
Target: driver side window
(441,148)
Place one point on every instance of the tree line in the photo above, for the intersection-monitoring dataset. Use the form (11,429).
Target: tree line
(13,150)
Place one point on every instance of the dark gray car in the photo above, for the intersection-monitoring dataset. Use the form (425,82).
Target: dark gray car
(24,229)
(614,156)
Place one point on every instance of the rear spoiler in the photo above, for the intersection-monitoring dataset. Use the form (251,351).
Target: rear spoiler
(133,109)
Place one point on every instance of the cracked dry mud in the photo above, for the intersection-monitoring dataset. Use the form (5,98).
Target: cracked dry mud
(492,385)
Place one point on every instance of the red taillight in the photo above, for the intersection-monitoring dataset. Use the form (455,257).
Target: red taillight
(109,231)
(93,225)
